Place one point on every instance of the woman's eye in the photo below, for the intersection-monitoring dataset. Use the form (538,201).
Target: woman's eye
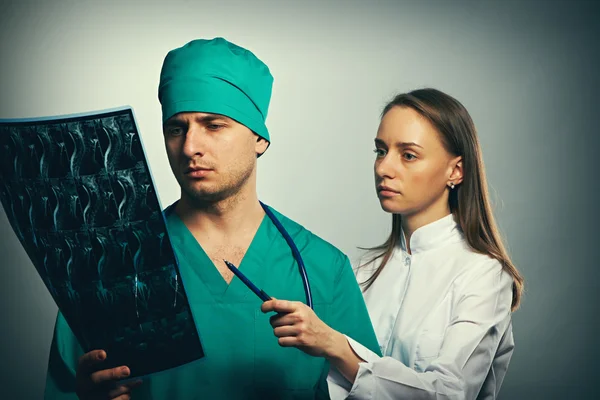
(409,156)
(380,152)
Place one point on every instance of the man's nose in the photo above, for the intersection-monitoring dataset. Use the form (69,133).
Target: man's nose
(195,142)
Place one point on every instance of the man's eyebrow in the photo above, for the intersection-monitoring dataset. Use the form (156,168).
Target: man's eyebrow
(205,119)
(175,122)
(211,118)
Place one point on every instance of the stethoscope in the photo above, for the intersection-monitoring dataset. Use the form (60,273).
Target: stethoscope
(290,243)
(295,253)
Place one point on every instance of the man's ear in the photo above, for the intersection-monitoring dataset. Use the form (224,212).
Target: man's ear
(261,146)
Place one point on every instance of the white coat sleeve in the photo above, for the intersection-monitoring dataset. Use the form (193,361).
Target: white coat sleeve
(481,319)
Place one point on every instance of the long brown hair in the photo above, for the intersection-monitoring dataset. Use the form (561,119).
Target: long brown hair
(469,201)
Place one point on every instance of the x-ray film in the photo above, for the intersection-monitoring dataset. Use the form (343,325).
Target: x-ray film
(80,197)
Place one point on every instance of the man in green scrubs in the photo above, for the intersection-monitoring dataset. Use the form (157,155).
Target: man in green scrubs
(215,96)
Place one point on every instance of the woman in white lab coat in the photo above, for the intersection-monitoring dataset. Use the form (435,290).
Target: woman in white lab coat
(440,291)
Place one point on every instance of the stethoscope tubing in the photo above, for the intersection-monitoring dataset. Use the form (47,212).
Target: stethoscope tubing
(295,253)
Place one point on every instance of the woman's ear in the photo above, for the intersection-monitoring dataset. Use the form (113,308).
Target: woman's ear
(456,176)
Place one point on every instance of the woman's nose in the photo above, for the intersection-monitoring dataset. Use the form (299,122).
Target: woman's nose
(384,168)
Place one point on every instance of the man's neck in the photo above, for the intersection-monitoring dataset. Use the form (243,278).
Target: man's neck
(224,229)
(231,217)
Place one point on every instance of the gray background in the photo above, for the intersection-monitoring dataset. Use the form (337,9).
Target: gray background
(526,70)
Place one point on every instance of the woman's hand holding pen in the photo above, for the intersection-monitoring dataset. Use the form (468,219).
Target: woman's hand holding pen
(296,325)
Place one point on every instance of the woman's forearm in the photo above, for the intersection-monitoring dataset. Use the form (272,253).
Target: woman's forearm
(342,357)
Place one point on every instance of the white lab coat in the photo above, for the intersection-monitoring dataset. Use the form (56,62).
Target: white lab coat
(443,322)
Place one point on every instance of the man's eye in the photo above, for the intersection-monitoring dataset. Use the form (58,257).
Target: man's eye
(175,131)
(214,127)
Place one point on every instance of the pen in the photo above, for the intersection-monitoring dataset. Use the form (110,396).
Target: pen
(260,293)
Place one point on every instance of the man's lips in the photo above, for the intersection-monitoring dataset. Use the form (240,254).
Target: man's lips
(197,172)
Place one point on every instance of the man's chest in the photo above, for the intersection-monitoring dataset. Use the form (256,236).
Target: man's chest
(232,253)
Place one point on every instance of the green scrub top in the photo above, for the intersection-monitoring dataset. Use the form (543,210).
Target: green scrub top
(242,357)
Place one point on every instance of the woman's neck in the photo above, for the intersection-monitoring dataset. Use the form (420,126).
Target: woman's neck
(412,222)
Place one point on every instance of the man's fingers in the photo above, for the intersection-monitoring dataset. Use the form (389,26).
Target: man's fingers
(88,360)
(123,397)
(118,391)
(124,388)
(107,375)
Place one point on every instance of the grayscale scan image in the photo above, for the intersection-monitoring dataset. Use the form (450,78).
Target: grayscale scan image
(79,195)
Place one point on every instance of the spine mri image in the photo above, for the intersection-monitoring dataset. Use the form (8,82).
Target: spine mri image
(79,196)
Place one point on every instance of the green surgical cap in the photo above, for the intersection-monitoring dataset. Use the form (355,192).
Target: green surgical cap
(216,76)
